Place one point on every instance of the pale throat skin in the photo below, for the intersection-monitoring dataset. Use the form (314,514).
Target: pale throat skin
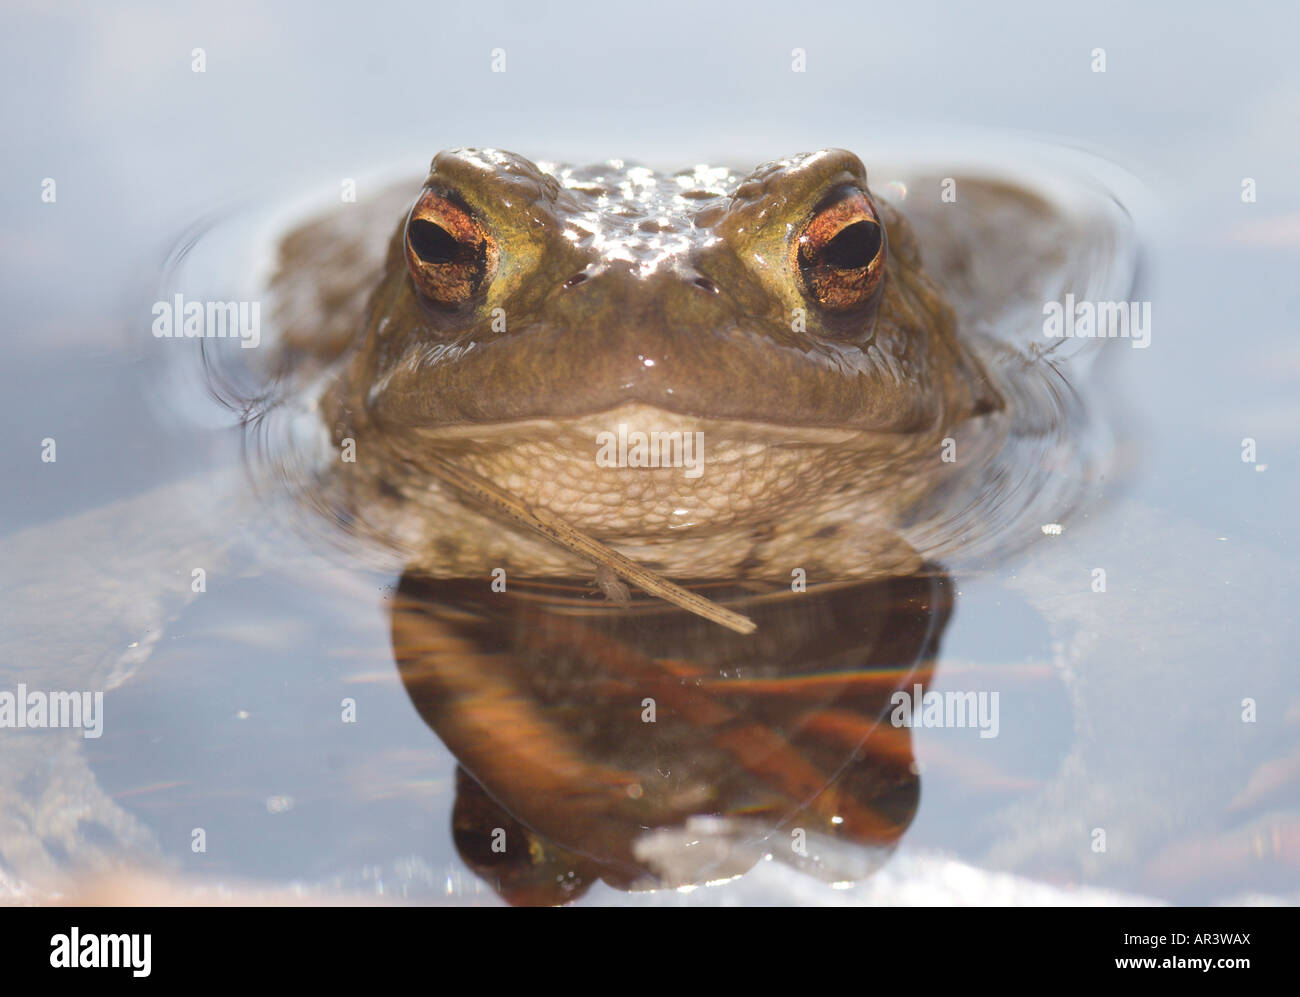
(585,299)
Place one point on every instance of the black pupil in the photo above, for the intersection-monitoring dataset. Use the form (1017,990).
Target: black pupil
(433,243)
(854,246)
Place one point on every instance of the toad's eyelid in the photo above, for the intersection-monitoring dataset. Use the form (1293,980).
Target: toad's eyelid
(435,208)
(445,199)
(841,196)
(836,212)
(432,202)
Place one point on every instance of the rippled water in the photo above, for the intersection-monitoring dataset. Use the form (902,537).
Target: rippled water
(1122,712)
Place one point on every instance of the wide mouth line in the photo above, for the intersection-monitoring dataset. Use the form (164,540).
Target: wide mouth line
(651,419)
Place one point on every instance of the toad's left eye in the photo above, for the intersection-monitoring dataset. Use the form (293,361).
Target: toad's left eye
(448,253)
(841,252)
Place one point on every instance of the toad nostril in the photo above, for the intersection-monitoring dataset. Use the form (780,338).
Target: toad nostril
(706,285)
(575,280)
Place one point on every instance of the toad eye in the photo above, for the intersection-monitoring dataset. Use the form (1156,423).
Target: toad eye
(841,252)
(449,254)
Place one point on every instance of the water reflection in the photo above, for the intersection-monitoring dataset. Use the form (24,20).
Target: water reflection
(648,748)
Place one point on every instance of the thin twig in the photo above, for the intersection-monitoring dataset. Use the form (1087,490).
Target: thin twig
(558,531)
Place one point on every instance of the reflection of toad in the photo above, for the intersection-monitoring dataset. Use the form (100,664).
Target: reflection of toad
(647,747)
